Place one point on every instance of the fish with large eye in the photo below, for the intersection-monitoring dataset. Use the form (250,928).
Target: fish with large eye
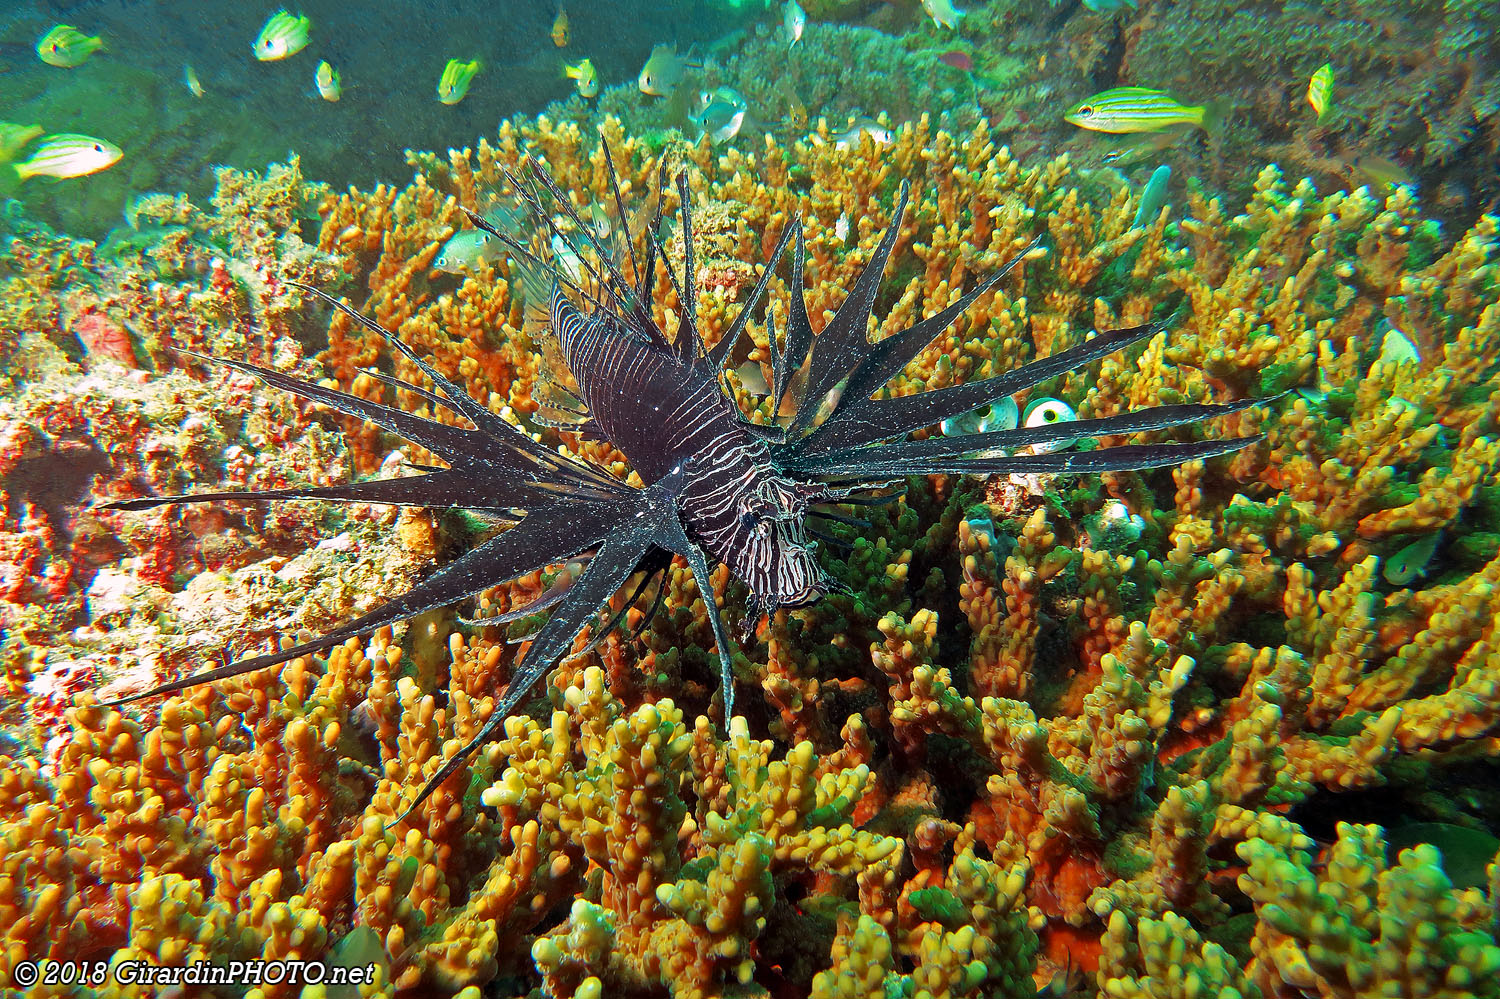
(284,34)
(1045,413)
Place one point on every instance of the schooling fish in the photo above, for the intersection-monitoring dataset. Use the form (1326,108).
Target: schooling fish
(456,79)
(1137,109)
(1320,90)
(586,77)
(793,21)
(283,35)
(464,250)
(560,34)
(850,137)
(1379,173)
(67,47)
(68,155)
(943,12)
(191,81)
(327,79)
(664,71)
(1153,197)
(720,113)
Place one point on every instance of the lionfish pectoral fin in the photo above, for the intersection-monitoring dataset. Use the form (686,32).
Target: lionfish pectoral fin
(673,538)
(529,545)
(868,421)
(995,443)
(618,558)
(448,442)
(458,399)
(440,487)
(1126,458)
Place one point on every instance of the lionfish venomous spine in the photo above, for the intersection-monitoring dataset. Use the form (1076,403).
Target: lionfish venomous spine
(717,488)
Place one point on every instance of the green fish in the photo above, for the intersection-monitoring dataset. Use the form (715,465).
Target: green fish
(330,88)
(1466,852)
(1411,562)
(283,35)
(67,47)
(1153,197)
(586,76)
(456,78)
(664,70)
(720,113)
(1320,90)
(464,250)
(68,155)
(1137,109)
(1044,413)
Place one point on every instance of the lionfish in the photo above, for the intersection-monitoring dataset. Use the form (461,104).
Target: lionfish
(717,487)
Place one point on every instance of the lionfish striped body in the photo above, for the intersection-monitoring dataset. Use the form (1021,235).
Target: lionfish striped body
(670,417)
(716,488)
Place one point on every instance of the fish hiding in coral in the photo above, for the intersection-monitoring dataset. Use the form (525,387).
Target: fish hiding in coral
(716,488)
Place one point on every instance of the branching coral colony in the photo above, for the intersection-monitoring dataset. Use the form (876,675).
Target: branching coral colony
(714,485)
(1099,723)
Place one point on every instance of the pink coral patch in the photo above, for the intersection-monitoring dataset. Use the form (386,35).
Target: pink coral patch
(104,338)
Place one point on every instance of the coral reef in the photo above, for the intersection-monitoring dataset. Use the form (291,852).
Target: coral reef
(1119,733)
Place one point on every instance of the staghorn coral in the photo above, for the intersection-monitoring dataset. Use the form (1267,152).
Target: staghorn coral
(1026,740)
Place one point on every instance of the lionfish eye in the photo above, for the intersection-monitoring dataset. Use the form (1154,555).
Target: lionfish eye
(749,520)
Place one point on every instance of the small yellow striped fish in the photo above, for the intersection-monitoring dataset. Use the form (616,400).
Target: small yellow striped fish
(327,79)
(191,81)
(1320,90)
(456,78)
(283,35)
(67,47)
(1137,109)
(68,155)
